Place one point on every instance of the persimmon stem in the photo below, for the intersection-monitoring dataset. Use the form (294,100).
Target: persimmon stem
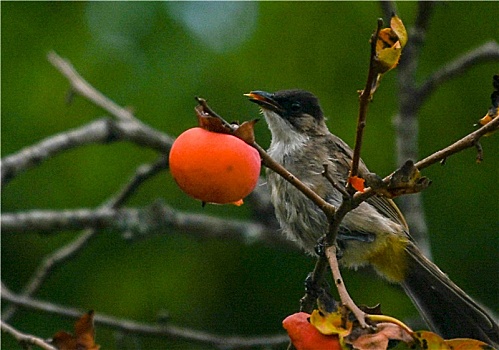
(202,102)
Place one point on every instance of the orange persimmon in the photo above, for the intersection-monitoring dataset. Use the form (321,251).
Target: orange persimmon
(214,167)
(305,336)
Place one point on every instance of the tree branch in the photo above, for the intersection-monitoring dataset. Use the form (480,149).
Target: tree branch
(25,339)
(83,88)
(406,120)
(468,141)
(71,249)
(100,131)
(135,222)
(157,330)
(364,100)
(488,52)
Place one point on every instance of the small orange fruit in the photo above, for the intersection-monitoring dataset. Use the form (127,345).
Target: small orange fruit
(214,167)
(305,336)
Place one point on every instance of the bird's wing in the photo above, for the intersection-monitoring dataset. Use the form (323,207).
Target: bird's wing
(383,205)
(388,208)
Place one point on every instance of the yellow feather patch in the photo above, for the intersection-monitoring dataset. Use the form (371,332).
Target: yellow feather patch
(390,258)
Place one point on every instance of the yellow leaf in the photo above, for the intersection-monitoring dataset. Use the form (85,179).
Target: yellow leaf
(430,341)
(467,344)
(330,323)
(389,45)
(398,28)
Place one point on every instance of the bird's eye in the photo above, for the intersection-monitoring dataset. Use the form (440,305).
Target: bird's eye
(295,106)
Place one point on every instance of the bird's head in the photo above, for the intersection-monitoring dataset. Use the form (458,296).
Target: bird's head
(290,112)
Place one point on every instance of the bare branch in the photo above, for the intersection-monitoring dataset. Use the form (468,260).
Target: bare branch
(100,131)
(49,263)
(71,249)
(488,52)
(142,174)
(25,339)
(345,298)
(83,88)
(364,100)
(158,330)
(468,141)
(135,223)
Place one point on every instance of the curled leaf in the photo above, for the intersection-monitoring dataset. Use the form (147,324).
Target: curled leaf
(246,131)
(214,123)
(83,339)
(385,332)
(430,341)
(467,344)
(398,28)
(210,123)
(330,323)
(389,45)
(407,179)
(493,111)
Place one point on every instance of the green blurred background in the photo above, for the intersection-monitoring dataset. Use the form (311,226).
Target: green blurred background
(155,57)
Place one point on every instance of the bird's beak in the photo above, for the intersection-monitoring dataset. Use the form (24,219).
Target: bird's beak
(265,100)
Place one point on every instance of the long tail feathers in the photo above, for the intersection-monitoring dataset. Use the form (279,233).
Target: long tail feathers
(447,309)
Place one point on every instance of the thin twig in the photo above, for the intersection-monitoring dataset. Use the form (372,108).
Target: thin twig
(83,88)
(25,339)
(333,182)
(345,298)
(307,191)
(468,141)
(364,100)
(142,174)
(158,330)
(70,250)
(488,52)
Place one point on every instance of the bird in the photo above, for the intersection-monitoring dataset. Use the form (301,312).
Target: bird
(374,234)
